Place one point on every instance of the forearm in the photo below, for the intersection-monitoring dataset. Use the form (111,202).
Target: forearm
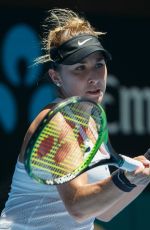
(127,197)
(105,198)
(121,203)
(92,199)
(89,200)
(141,179)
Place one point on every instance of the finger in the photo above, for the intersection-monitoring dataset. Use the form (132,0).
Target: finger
(138,171)
(147,171)
(143,159)
(146,163)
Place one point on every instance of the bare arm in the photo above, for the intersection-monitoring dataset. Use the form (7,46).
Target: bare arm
(141,179)
(102,199)
(121,203)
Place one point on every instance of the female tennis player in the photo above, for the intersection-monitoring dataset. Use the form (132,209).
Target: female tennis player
(77,65)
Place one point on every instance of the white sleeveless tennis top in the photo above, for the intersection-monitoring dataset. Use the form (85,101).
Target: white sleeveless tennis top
(33,206)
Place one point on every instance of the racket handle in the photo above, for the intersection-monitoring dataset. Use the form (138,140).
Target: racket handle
(130,164)
(147,154)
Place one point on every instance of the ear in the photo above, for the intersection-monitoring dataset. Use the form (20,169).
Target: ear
(54,75)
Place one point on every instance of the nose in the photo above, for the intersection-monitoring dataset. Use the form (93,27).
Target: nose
(93,81)
(96,77)
(93,77)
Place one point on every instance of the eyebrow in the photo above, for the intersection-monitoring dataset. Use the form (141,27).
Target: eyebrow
(97,59)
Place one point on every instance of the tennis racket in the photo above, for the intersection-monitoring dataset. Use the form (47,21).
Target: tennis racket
(66,141)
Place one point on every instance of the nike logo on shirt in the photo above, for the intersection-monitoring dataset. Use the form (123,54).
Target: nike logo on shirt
(83,42)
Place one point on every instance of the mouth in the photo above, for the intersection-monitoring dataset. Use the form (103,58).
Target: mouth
(95,92)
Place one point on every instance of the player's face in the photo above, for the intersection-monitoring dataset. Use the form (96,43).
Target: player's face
(87,78)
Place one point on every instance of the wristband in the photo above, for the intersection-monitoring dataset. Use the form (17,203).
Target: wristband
(121,181)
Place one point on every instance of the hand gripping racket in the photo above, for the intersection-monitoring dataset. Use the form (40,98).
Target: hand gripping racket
(67,140)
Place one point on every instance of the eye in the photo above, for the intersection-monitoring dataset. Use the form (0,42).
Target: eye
(100,64)
(80,68)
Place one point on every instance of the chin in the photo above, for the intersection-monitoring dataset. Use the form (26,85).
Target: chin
(100,100)
(96,99)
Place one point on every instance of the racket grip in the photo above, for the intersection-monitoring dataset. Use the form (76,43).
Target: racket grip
(130,164)
(147,154)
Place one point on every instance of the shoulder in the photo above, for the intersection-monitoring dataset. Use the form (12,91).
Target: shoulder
(33,127)
(39,118)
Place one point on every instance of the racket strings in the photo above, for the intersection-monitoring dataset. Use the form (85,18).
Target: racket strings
(47,162)
(54,166)
(59,150)
(82,118)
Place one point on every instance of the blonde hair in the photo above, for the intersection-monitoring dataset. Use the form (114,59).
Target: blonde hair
(60,26)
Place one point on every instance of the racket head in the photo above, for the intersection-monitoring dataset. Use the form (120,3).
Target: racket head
(64,144)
